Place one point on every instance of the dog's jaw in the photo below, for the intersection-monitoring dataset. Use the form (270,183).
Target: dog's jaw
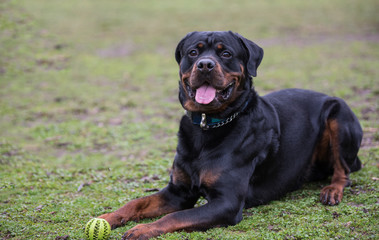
(212,94)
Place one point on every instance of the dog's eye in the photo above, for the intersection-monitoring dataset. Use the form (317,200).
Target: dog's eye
(226,54)
(193,53)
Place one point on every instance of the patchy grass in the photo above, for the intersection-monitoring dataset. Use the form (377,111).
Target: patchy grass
(89,110)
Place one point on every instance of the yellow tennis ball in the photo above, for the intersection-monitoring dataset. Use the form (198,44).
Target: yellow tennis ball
(97,229)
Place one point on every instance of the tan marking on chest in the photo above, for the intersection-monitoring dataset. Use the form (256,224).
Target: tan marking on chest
(209,177)
(179,176)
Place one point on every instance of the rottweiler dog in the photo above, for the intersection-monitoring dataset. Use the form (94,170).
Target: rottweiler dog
(239,150)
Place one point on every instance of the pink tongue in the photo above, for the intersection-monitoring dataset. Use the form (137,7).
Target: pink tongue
(205,94)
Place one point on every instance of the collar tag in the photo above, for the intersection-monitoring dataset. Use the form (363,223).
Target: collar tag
(203,122)
(210,122)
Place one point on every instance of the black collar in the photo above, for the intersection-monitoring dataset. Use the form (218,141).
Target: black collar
(207,122)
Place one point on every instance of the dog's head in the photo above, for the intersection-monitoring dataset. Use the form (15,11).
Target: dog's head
(215,69)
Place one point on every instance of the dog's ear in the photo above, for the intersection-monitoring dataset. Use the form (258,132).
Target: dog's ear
(254,54)
(179,48)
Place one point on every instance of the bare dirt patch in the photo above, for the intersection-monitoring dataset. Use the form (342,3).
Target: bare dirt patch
(370,138)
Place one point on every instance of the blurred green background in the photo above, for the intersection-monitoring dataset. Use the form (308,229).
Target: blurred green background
(89,110)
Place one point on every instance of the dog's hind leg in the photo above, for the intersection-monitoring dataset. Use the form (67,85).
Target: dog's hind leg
(340,143)
(333,193)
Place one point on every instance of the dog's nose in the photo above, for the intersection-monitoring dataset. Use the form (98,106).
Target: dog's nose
(206,65)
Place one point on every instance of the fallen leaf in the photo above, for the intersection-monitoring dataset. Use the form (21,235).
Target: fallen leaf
(152,190)
(83,185)
(66,237)
(39,208)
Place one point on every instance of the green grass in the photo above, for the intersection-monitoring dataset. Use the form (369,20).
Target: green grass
(89,110)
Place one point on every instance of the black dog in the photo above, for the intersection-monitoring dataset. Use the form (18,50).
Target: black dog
(240,150)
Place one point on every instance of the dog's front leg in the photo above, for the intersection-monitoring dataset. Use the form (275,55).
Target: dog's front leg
(219,212)
(165,201)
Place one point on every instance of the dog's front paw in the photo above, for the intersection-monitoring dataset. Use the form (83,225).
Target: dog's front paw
(331,195)
(114,219)
(142,232)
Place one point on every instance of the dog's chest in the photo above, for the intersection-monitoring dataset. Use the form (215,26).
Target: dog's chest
(196,178)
